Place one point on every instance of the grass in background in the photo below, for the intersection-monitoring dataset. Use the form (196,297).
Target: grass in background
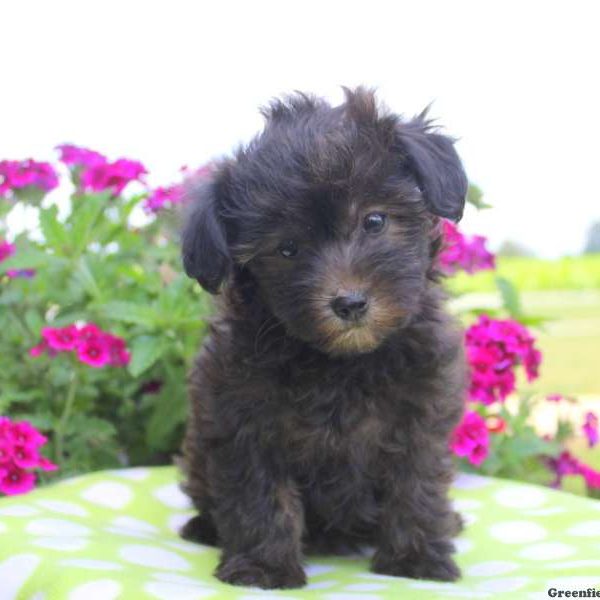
(535,274)
(564,292)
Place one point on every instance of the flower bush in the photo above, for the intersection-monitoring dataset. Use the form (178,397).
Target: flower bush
(492,439)
(99,326)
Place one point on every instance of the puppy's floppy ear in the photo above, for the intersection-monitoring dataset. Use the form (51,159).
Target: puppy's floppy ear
(436,165)
(205,251)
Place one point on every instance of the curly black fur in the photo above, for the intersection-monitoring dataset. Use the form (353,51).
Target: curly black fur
(311,430)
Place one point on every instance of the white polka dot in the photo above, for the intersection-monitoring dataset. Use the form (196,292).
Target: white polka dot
(365,587)
(547,551)
(153,556)
(102,589)
(65,508)
(58,527)
(137,474)
(63,544)
(14,572)
(468,518)
(491,568)
(18,510)
(466,504)
(573,583)
(108,493)
(502,585)
(91,564)
(517,532)
(463,545)
(576,564)
(128,533)
(134,524)
(178,520)
(321,585)
(190,547)
(378,576)
(468,481)
(177,578)
(2,527)
(521,496)
(431,585)
(172,496)
(316,570)
(586,529)
(545,512)
(169,591)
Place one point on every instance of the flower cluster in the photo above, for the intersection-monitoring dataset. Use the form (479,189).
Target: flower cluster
(494,348)
(20,174)
(20,444)
(89,343)
(590,429)
(471,438)
(77,157)
(96,173)
(163,197)
(462,252)
(567,464)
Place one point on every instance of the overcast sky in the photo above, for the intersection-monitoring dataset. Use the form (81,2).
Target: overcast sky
(176,82)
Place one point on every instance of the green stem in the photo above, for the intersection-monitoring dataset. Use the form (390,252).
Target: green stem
(64,417)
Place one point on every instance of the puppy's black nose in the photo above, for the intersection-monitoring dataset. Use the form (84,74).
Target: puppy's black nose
(350,307)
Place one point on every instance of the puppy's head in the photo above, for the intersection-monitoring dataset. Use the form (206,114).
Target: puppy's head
(333,211)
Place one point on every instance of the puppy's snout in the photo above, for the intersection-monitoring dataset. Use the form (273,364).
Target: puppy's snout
(350,306)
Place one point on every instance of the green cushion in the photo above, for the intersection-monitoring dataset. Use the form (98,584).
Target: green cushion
(113,535)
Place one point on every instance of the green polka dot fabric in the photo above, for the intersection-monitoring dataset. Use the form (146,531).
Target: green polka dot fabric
(114,535)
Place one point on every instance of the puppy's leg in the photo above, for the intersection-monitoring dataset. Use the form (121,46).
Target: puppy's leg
(417,521)
(259,518)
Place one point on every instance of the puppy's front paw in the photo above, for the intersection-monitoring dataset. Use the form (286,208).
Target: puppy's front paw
(240,569)
(424,566)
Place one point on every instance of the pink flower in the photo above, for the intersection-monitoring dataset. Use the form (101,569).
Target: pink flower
(163,197)
(62,339)
(19,454)
(75,156)
(6,249)
(112,176)
(20,174)
(494,348)
(554,397)
(590,429)
(16,480)
(471,438)
(92,346)
(93,352)
(461,252)
(119,356)
(567,464)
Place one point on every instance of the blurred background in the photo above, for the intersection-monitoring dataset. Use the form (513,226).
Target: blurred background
(179,83)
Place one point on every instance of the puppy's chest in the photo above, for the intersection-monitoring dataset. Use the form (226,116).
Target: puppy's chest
(334,428)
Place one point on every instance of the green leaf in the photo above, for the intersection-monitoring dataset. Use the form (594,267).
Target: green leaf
(85,277)
(53,230)
(130,312)
(86,211)
(510,297)
(169,413)
(145,351)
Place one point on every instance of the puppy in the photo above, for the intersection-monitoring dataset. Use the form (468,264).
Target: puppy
(325,392)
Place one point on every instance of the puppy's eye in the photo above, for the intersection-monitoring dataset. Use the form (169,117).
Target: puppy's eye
(288,249)
(374,222)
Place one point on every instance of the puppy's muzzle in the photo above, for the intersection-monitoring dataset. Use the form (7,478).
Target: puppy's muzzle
(350,306)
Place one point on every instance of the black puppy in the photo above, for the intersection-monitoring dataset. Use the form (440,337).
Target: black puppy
(325,393)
